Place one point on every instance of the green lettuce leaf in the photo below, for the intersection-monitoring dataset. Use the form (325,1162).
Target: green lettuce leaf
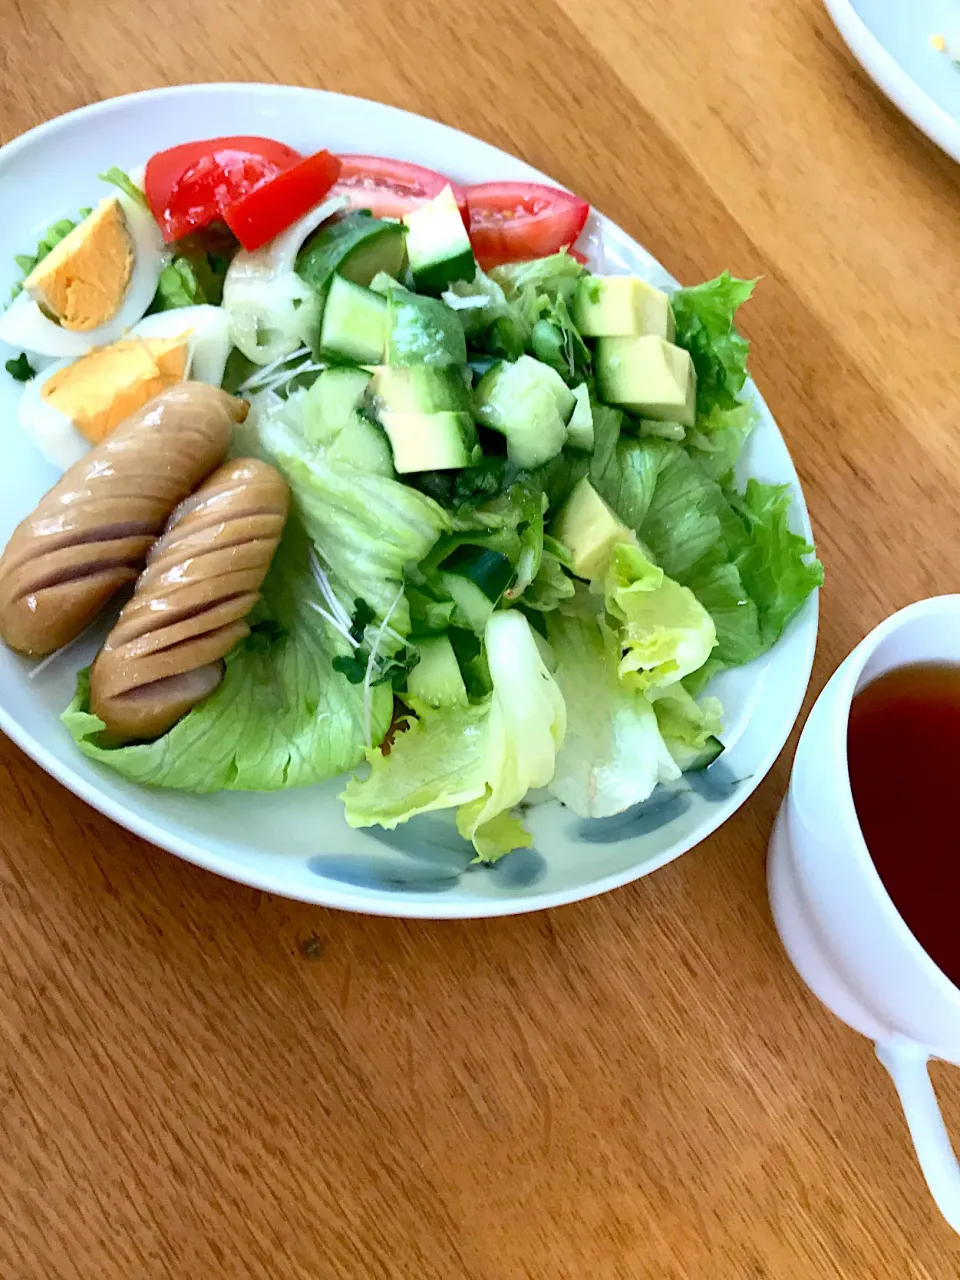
(48,241)
(613,754)
(555,276)
(775,567)
(718,439)
(481,759)
(664,630)
(194,277)
(282,717)
(704,316)
(366,527)
(123,182)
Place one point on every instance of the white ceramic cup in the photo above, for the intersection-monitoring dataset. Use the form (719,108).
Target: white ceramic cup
(837,922)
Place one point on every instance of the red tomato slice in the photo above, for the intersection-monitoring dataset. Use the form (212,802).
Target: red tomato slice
(190,186)
(391,188)
(515,221)
(277,203)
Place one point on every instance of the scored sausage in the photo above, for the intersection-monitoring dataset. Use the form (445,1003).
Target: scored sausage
(89,536)
(190,604)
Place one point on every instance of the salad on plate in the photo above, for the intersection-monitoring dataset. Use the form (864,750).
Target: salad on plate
(405,486)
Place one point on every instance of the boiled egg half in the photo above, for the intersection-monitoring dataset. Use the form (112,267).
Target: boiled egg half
(97,282)
(74,404)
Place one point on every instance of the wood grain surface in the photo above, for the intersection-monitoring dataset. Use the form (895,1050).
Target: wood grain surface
(198,1080)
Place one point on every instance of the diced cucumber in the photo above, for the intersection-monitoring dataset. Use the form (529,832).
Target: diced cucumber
(696,759)
(649,377)
(357,247)
(580,426)
(438,247)
(522,400)
(621,306)
(504,339)
(423,331)
(354,325)
(362,444)
(431,441)
(436,678)
(334,398)
(473,606)
(490,571)
(420,389)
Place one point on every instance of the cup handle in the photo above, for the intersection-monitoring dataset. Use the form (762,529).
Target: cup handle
(907,1064)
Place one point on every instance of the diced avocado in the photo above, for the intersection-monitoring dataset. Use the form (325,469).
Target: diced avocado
(420,389)
(363,445)
(589,530)
(436,678)
(438,247)
(621,306)
(335,396)
(431,441)
(423,331)
(649,377)
(354,325)
(356,246)
(580,426)
(522,400)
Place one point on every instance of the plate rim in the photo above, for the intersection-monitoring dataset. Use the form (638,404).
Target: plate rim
(379,902)
(899,86)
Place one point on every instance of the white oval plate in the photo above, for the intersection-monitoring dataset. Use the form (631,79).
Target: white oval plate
(297,842)
(891,41)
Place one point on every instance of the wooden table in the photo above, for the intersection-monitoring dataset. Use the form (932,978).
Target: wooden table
(202,1081)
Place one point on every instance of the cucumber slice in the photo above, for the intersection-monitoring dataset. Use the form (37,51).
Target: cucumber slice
(472,605)
(423,331)
(436,678)
(523,402)
(580,426)
(362,444)
(354,325)
(420,389)
(692,760)
(438,246)
(334,398)
(490,571)
(357,247)
(431,441)
(382,283)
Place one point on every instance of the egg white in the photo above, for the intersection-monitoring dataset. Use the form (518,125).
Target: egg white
(24,325)
(208,331)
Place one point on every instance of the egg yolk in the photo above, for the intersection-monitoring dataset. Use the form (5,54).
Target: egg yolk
(102,388)
(83,280)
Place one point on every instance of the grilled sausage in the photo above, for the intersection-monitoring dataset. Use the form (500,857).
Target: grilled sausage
(90,535)
(190,604)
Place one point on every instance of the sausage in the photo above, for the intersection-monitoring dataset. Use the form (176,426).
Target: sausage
(89,536)
(190,604)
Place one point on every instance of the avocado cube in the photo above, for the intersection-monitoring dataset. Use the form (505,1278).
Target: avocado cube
(649,377)
(589,530)
(622,307)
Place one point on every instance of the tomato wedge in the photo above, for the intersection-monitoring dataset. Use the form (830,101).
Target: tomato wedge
(190,186)
(277,203)
(391,188)
(514,221)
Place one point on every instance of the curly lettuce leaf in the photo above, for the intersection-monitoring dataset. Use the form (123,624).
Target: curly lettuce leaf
(282,717)
(704,316)
(366,527)
(718,438)
(613,755)
(664,630)
(555,276)
(481,759)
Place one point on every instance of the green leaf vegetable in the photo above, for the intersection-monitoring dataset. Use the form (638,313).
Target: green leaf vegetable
(481,759)
(704,316)
(20,368)
(122,181)
(48,242)
(282,717)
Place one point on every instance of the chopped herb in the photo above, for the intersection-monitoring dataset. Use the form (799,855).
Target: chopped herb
(20,368)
